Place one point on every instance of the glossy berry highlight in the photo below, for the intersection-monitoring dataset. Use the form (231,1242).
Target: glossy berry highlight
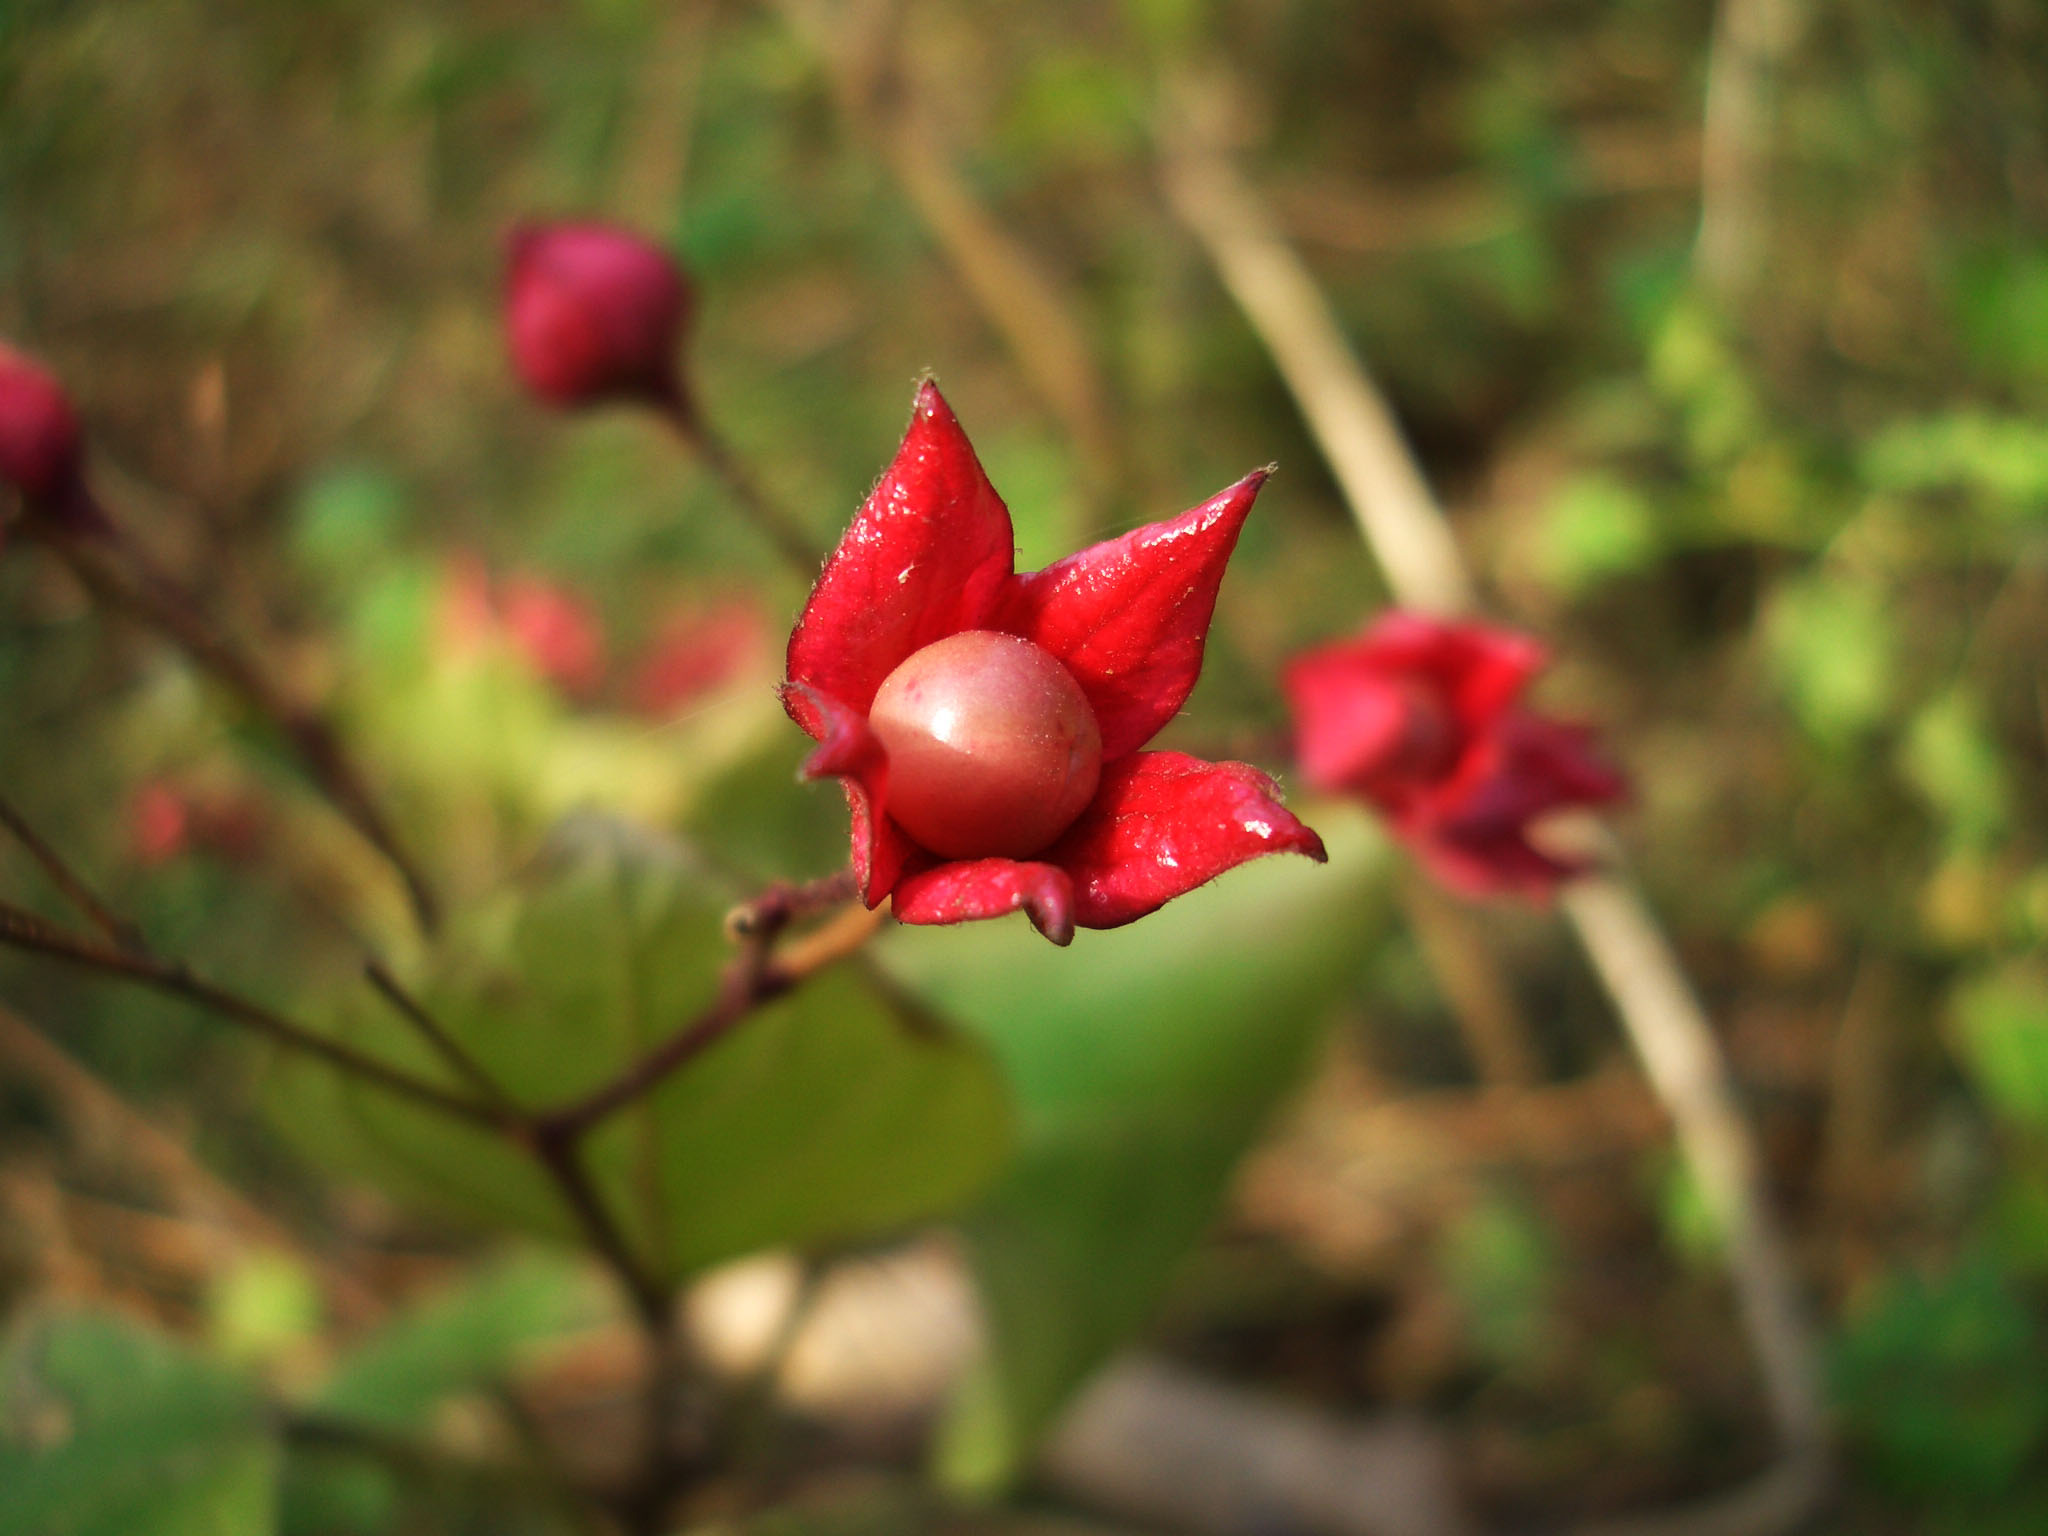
(993,748)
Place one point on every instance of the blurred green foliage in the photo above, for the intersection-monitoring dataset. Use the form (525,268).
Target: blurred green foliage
(1791,552)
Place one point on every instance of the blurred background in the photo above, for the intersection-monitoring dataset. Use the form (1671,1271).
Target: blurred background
(1765,464)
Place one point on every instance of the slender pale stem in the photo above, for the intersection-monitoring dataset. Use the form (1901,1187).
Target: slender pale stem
(1407,531)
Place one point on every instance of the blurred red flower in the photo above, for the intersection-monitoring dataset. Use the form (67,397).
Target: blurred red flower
(557,632)
(594,313)
(159,823)
(986,723)
(553,630)
(696,651)
(1420,717)
(167,820)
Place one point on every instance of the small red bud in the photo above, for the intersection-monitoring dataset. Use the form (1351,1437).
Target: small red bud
(993,749)
(39,443)
(594,313)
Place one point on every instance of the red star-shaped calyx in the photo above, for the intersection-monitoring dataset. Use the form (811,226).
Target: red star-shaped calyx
(1420,717)
(987,724)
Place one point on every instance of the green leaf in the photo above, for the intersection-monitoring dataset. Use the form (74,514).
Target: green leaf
(107,1430)
(824,1117)
(1144,1060)
(1954,761)
(2002,460)
(1941,1384)
(1832,643)
(1597,527)
(1499,1262)
(2001,1031)
(262,1307)
(463,1339)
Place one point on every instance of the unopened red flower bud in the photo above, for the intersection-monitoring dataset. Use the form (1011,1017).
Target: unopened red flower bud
(594,313)
(39,442)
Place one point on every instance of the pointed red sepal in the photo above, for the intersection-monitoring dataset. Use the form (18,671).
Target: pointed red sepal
(928,555)
(1475,832)
(849,751)
(1129,616)
(963,891)
(1481,668)
(1163,823)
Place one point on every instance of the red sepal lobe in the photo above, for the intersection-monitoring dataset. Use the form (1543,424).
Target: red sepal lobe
(1129,617)
(1163,823)
(928,555)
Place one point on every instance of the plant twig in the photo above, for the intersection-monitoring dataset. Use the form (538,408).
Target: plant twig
(1407,531)
(21,929)
(755,976)
(748,983)
(431,1030)
(798,548)
(97,555)
(1676,1044)
(1381,482)
(562,1156)
(69,884)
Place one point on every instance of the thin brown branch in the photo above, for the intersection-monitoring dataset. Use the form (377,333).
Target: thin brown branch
(755,976)
(746,987)
(436,1035)
(562,1156)
(23,930)
(797,547)
(68,882)
(122,576)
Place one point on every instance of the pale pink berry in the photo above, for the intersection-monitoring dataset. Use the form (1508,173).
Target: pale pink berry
(993,748)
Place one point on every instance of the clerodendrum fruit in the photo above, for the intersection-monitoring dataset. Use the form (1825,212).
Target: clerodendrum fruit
(993,749)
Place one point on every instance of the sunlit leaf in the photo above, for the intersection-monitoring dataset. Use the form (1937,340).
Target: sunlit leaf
(2001,1029)
(826,1116)
(1145,1059)
(466,1337)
